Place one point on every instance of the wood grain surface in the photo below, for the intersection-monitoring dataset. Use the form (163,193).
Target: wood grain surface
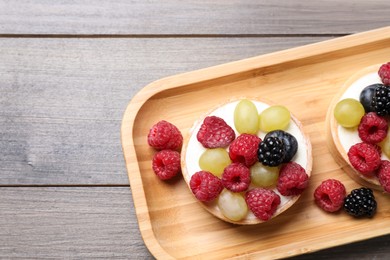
(191,18)
(63,100)
(68,70)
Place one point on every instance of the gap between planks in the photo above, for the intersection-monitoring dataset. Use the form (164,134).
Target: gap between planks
(145,36)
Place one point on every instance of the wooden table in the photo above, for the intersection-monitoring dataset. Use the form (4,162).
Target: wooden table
(67,72)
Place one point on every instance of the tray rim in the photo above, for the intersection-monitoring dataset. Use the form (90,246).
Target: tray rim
(205,74)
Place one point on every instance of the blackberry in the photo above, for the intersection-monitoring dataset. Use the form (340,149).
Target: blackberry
(271,151)
(381,100)
(360,203)
(289,141)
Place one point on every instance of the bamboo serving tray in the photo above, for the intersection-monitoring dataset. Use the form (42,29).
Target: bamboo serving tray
(304,79)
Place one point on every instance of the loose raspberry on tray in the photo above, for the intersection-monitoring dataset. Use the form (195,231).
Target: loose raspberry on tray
(244,149)
(365,158)
(384,73)
(372,128)
(293,179)
(262,202)
(166,164)
(165,135)
(236,177)
(205,186)
(384,175)
(215,133)
(329,195)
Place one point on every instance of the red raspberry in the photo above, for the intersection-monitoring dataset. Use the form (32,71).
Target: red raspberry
(262,202)
(293,179)
(329,195)
(236,177)
(165,135)
(364,157)
(205,186)
(384,175)
(215,133)
(384,73)
(372,128)
(244,149)
(166,164)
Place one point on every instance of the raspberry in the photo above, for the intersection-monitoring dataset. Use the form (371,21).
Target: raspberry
(215,133)
(166,164)
(329,195)
(384,73)
(384,175)
(262,202)
(165,135)
(236,177)
(372,128)
(360,203)
(364,157)
(293,179)
(205,186)
(244,149)
(271,151)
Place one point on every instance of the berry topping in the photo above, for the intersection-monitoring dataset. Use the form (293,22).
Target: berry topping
(360,203)
(384,73)
(262,202)
(384,175)
(215,133)
(271,151)
(329,195)
(166,164)
(364,157)
(366,97)
(293,179)
(372,128)
(244,149)
(289,141)
(205,186)
(165,135)
(236,177)
(381,100)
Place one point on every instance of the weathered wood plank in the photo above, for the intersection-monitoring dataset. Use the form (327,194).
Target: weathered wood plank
(100,222)
(189,17)
(62,100)
(69,223)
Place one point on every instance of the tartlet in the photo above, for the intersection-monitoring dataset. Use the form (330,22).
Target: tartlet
(192,150)
(339,138)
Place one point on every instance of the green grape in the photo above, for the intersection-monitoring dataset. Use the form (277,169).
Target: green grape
(232,205)
(274,118)
(245,117)
(214,160)
(348,112)
(264,176)
(385,146)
